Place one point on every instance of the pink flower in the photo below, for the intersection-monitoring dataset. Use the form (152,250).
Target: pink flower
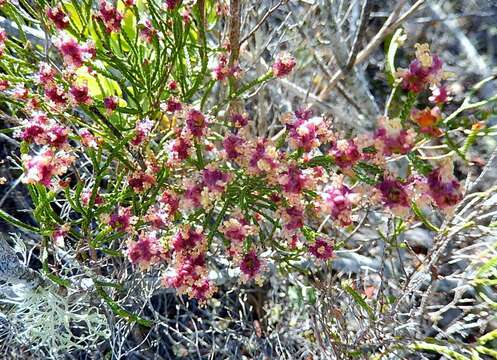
(338,201)
(196,123)
(146,251)
(189,241)
(3,37)
(58,17)
(142,131)
(305,132)
(235,229)
(425,70)
(171,202)
(391,138)
(42,168)
(203,290)
(172,4)
(345,153)
(35,130)
(251,265)
(110,16)
(59,234)
(321,249)
(110,103)
(80,94)
(122,221)
(239,120)
(4,85)
(58,136)
(87,139)
(444,188)
(283,65)
(293,218)
(439,95)
(147,31)
(263,158)
(190,278)
(222,70)
(179,148)
(232,145)
(394,194)
(173,105)
(57,95)
(192,196)
(141,181)
(293,180)
(74,54)
(86,197)
(172,86)
(214,179)
(46,74)
(43,131)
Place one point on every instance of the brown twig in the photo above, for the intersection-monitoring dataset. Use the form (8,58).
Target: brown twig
(259,24)
(365,11)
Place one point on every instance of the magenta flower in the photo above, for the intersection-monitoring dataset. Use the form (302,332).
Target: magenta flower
(180,148)
(142,131)
(74,54)
(304,131)
(147,31)
(172,4)
(203,290)
(58,17)
(391,138)
(196,123)
(171,201)
(393,193)
(321,249)
(345,153)
(338,201)
(293,218)
(141,181)
(46,74)
(146,251)
(283,65)
(110,16)
(59,234)
(232,145)
(87,139)
(173,105)
(445,190)
(121,221)
(188,239)
(56,94)
(425,70)
(293,181)
(40,169)
(439,95)
(44,131)
(250,265)
(239,120)
(110,103)
(80,94)
(214,179)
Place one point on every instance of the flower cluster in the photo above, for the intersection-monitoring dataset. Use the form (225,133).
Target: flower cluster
(180,183)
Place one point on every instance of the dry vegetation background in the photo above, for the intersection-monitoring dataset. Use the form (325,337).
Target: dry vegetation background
(442,310)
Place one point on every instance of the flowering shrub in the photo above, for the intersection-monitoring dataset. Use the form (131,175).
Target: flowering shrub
(125,153)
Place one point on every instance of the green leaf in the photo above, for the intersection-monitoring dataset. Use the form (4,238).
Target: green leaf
(393,46)
(422,166)
(120,311)
(359,300)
